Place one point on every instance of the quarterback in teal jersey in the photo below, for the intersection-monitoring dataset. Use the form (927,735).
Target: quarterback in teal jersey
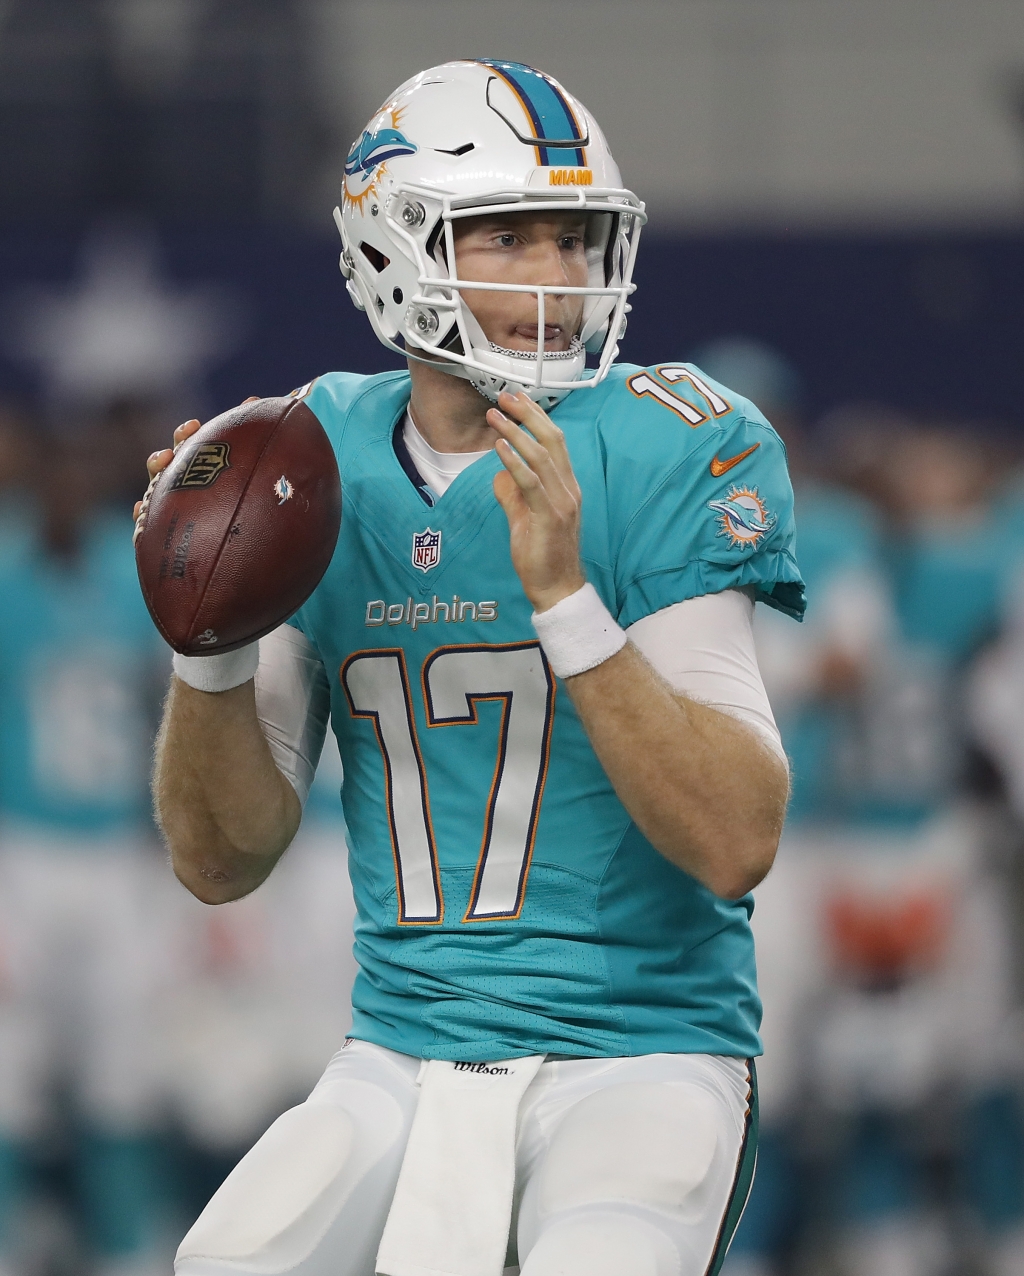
(555,1014)
(511,829)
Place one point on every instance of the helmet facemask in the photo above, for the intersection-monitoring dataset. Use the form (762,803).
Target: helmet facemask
(436,325)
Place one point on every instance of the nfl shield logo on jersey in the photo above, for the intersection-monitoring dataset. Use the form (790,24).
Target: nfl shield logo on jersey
(426,549)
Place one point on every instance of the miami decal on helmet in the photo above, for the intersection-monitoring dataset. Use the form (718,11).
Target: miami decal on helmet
(381,141)
(743,517)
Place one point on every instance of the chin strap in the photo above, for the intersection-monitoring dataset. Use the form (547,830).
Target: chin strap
(575,348)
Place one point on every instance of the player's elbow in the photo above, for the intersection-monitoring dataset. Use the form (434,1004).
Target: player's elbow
(210,883)
(729,867)
(736,877)
(733,856)
(745,857)
(215,870)
(736,859)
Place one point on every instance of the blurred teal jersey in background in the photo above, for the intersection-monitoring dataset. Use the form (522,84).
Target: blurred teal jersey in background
(78,685)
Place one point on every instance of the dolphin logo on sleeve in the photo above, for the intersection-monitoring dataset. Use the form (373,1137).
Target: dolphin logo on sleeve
(743,516)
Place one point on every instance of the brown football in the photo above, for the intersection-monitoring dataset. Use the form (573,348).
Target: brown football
(237,532)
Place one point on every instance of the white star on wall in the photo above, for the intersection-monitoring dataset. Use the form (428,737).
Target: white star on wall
(120,329)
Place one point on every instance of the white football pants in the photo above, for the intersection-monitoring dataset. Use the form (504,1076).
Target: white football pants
(79,970)
(624,1167)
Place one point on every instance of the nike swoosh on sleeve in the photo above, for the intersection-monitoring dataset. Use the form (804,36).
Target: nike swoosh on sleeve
(718,468)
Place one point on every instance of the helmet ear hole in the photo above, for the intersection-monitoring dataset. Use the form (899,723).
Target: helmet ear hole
(375,257)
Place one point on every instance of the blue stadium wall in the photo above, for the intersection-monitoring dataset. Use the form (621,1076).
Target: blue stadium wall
(927,324)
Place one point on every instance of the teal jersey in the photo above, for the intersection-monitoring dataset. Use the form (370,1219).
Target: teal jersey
(79,689)
(17,525)
(892,756)
(948,580)
(506,902)
(839,536)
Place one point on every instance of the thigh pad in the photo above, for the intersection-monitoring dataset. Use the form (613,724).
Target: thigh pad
(279,1202)
(642,1144)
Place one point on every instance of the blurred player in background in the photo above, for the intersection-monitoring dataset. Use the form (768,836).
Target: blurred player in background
(918,930)
(80,678)
(883,936)
(561,887)
(15,477)
(813,674)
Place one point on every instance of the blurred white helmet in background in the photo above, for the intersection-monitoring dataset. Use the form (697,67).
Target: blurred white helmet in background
(466,139)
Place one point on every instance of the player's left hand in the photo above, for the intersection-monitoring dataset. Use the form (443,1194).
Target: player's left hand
(541,499)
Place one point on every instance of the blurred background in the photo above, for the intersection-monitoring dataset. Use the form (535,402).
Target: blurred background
(836,194)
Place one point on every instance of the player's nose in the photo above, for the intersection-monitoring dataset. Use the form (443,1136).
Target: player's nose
(550,269)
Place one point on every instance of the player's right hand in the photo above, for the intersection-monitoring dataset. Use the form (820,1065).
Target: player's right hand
(159,462)
(156,465)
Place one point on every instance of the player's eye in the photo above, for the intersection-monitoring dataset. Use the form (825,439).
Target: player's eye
(571,242)
(507,239)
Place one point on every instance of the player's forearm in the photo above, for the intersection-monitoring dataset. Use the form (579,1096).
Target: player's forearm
(701,786)
(227,812)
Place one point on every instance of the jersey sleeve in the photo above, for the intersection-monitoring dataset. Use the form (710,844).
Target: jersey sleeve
(705,649)
(712,512)
(293,704)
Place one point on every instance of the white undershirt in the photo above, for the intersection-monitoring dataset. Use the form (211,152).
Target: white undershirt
(438,469)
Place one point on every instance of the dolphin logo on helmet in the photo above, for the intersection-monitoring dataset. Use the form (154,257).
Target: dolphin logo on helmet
(372,149)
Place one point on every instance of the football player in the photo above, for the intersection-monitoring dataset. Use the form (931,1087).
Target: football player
(555,1017)
(80,955)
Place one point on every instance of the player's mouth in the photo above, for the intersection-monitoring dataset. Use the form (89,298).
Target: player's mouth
(524,337)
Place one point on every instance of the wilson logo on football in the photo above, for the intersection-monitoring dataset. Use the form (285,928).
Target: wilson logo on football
(205,467)
(426,549)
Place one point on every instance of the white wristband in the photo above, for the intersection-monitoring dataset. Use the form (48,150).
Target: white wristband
(221,672)
(578,633)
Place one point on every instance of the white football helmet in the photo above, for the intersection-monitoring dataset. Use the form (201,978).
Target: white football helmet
(461,140)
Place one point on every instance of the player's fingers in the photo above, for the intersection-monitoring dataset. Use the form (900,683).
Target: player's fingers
(142,506)
(185,431)
(253,398)
(520,407)
(508,495)
(525,478)
(536,456)
(533,495)
(159,461)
